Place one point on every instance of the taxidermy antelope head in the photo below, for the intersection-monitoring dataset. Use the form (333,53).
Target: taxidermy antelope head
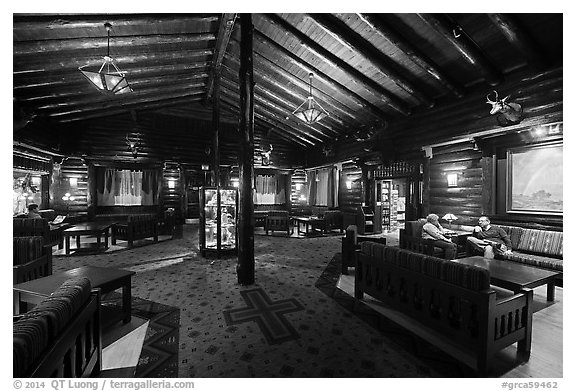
(509,113)
(133,146)
(266,155)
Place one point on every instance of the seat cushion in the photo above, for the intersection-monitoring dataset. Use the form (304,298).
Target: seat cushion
(548,243)
(534,260)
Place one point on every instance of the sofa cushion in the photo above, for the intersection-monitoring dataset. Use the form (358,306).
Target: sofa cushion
(414,228)
(549,243)
(534,260)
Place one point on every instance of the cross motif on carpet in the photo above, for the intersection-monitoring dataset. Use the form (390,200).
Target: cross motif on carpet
(268,314)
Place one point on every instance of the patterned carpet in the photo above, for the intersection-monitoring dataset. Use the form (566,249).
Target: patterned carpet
(292,322)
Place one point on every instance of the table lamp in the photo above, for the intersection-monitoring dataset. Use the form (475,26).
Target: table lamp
(449,217)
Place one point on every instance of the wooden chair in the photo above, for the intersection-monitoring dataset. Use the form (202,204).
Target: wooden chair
(278,220)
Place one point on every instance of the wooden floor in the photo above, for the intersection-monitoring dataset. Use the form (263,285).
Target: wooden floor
(547,341)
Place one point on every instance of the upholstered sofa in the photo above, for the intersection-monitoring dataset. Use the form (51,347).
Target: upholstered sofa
(136,227)
(453,300)
(278,220)
(61,336)
(540,248)
(31,258)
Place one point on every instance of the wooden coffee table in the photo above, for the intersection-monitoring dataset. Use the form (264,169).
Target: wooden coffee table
(514,276)
(85,229)
(309,222)
(107,279)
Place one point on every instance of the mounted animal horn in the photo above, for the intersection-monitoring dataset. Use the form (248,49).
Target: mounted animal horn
(133,146)
(508,113)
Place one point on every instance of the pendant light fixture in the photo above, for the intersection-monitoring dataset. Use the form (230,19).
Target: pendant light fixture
(108,79)
(310,111)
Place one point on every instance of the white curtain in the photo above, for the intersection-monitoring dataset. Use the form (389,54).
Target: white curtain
(322,179)
(130,191)
(270,190)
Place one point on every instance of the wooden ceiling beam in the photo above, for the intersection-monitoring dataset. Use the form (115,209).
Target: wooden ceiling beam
(464,44)
(79,89)
(55,63)
(98,45)
(361,80)
(177,101)
(413,53)
(94,98)
(73,23)
(339,30)
(517,35)
(144,99)
(224,32)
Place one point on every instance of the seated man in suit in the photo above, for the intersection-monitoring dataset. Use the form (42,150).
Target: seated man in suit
(432,230)
(33,212)
(489,240)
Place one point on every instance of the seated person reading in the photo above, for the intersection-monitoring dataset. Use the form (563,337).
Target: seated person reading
(432,230)
(489,240)
(33,212)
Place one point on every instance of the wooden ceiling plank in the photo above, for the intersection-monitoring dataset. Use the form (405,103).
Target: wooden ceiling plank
(414,54)
(339,30)
(517,35)
(224,32)
(360,79)
(465,45)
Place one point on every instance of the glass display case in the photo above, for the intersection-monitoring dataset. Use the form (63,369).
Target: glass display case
(218,220)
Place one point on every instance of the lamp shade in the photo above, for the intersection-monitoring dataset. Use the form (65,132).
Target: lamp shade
(312,113)
(108,79)
(449,217)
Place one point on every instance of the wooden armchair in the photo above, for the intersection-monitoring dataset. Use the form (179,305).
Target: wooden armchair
(32,259)
(351,243)
(278,220)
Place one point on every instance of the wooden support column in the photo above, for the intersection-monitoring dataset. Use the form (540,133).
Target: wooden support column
(216,128)
(245,267)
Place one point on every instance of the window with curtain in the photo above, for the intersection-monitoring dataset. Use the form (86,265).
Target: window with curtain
(270,190)
(323,187)
(127,187)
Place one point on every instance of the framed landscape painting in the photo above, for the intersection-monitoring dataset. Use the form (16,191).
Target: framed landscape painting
(535,179)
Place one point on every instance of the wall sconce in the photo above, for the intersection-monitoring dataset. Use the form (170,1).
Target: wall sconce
(349,184)
(36,180)
(171,183)
(205,167)
(235,182)
(452,179)
(73,181)
(298,186)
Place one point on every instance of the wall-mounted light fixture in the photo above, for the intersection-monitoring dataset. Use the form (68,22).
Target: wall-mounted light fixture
(452,178)
(73,181)
(298,186)
(349,184)
(235,182)
(171,183)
